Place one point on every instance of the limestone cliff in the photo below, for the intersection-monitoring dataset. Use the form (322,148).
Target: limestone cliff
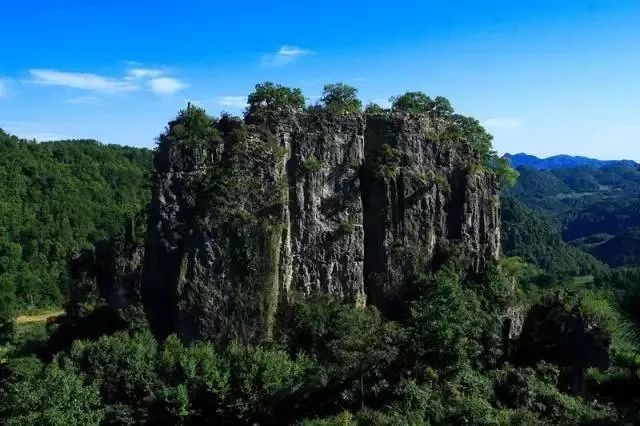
(245,217)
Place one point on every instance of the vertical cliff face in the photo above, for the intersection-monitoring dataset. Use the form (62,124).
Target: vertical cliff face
(172,217)
(245,218)
(420,192)
(325,207)
(215,229)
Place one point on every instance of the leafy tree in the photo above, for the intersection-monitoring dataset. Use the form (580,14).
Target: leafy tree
(441,107)
(122,367)
(49,395)
(271,102)
(340,98)
(412,102)
(192,127)
(445,322)
(507,175)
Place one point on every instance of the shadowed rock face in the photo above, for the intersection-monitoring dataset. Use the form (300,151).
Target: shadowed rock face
(250,217)
(419,192)
(554,333)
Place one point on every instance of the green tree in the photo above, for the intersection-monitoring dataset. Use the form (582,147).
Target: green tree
(192,127)
(49,395)
(271,102)
(412,102)
(446,321)
(507,175)
(340,98)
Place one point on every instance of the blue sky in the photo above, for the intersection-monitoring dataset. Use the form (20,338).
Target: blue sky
(545,77)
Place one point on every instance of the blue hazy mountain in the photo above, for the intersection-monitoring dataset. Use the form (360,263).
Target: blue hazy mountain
(563,162)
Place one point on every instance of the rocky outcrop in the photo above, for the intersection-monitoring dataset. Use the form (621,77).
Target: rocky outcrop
(246,217)
(109,274)
(561,333)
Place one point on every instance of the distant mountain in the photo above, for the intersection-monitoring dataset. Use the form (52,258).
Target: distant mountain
(563,162)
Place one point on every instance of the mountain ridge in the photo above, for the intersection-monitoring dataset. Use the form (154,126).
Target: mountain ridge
(563,161)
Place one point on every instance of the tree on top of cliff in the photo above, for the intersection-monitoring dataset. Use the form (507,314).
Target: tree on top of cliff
(192,126)
(340,98)
(272,101)
(420,103)
(373,108)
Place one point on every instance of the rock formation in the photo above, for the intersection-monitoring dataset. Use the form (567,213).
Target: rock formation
(246,217)
(249,215)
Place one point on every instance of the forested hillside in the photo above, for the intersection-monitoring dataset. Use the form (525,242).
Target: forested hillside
(56,198)
(592,208)
(535,239)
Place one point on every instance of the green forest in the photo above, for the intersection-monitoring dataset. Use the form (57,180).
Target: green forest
(596,210)
(549,334)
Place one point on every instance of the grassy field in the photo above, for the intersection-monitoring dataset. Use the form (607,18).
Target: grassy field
(30,334)
(38,317)
(585,279)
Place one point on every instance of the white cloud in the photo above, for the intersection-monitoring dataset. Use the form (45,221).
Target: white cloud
(293,52)
(286,54)
(502,123)
(232,101)
(83,81)
(3,88)
(166,85)
(146,72)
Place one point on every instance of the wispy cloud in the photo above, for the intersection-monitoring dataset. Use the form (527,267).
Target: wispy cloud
(502,123)
(83,81)
(293,51)
(166,85)
(285,55)
(145,73)
(3,88)
(232,101)
(156,80)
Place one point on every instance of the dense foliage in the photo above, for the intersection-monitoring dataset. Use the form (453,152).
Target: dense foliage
(329,363)
(594,208)
(56,198)
(533,238)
